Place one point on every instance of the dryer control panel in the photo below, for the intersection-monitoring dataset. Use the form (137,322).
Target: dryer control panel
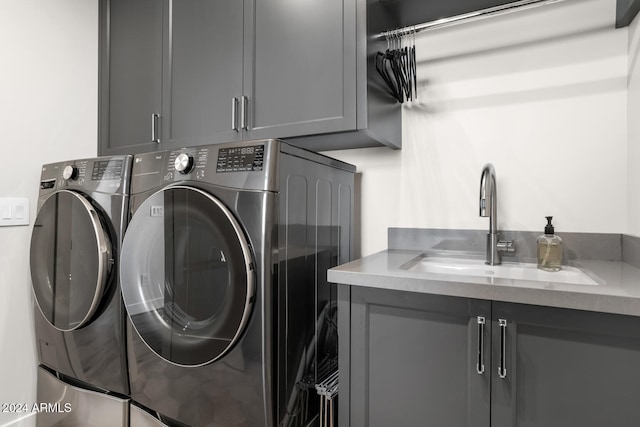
(182,163)
(240,159)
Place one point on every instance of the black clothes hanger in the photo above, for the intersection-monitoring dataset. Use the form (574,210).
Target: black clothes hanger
(397,67)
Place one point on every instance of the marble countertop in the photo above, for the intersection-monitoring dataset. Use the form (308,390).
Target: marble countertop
(617,291)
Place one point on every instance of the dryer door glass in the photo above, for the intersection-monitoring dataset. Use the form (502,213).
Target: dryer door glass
(70,260)
(186,276)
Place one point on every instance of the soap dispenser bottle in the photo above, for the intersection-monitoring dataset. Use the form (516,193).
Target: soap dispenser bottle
(549,249)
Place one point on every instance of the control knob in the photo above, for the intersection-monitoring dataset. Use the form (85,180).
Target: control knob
(70,172)
(184,163)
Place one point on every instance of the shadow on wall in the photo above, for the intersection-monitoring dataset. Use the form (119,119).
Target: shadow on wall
(434,99)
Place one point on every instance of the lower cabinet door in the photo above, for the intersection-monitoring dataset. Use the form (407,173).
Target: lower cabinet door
(556,368)
(413,359)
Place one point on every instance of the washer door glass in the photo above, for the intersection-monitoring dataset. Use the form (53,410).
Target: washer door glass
(186,276)
(70,260)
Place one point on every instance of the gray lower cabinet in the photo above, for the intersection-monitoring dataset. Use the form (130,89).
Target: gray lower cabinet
(176,73)
(409,359)
(564,368)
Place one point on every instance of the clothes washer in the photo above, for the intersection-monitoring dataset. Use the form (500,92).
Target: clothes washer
(223,275)
(79,316)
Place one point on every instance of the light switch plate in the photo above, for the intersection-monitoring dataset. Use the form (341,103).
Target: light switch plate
(14,211)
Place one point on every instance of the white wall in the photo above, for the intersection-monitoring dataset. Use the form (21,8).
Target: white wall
(541,94)
(515,91)
(48,112)
(634,128)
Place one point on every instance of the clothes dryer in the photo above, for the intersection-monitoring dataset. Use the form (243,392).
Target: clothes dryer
(223,276)
(78,311)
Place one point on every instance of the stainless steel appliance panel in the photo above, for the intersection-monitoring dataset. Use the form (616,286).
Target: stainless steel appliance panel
(78,311)
(61,404)
(295,210)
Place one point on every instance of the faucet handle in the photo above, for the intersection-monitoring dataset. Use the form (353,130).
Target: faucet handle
(506,246)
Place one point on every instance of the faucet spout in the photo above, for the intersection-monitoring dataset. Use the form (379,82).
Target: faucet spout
(489,207)
(489,197)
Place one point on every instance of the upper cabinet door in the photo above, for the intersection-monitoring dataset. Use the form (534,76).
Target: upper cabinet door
(179,73)
(203,72)
(131,75)
(300,67)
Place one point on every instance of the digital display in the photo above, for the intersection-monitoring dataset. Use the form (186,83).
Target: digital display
(107,169)
(45,185)
(240,159)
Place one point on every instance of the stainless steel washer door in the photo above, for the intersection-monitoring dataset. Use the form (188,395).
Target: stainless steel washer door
(70,260)
(187,276)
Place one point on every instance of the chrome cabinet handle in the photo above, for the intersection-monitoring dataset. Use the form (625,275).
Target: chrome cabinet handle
(502,368)
(155,134)
(244,112)
(234,114)
(480,364)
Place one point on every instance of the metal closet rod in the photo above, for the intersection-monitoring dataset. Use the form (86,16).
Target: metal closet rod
(469,17)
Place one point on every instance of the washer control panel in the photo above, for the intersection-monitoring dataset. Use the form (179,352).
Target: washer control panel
(107,169)
(105,174)
(70,172)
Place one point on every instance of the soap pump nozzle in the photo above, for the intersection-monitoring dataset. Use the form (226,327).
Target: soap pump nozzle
(548,229)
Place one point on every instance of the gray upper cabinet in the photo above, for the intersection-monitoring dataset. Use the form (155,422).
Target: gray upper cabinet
(130,75)
(300,76)
(169,71)
(191,72)
(203,44)
(626,12)
(415,12)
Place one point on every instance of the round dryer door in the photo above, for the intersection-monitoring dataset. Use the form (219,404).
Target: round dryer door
(70,260)
(187,276)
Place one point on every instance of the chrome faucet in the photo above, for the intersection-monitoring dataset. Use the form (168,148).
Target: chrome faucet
(489,207)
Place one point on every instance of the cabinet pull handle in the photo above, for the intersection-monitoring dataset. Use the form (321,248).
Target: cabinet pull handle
(244,112)
(155,134)
(480,364)
(502,368)
(234,114)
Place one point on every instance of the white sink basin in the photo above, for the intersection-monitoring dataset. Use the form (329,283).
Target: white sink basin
(506,270)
